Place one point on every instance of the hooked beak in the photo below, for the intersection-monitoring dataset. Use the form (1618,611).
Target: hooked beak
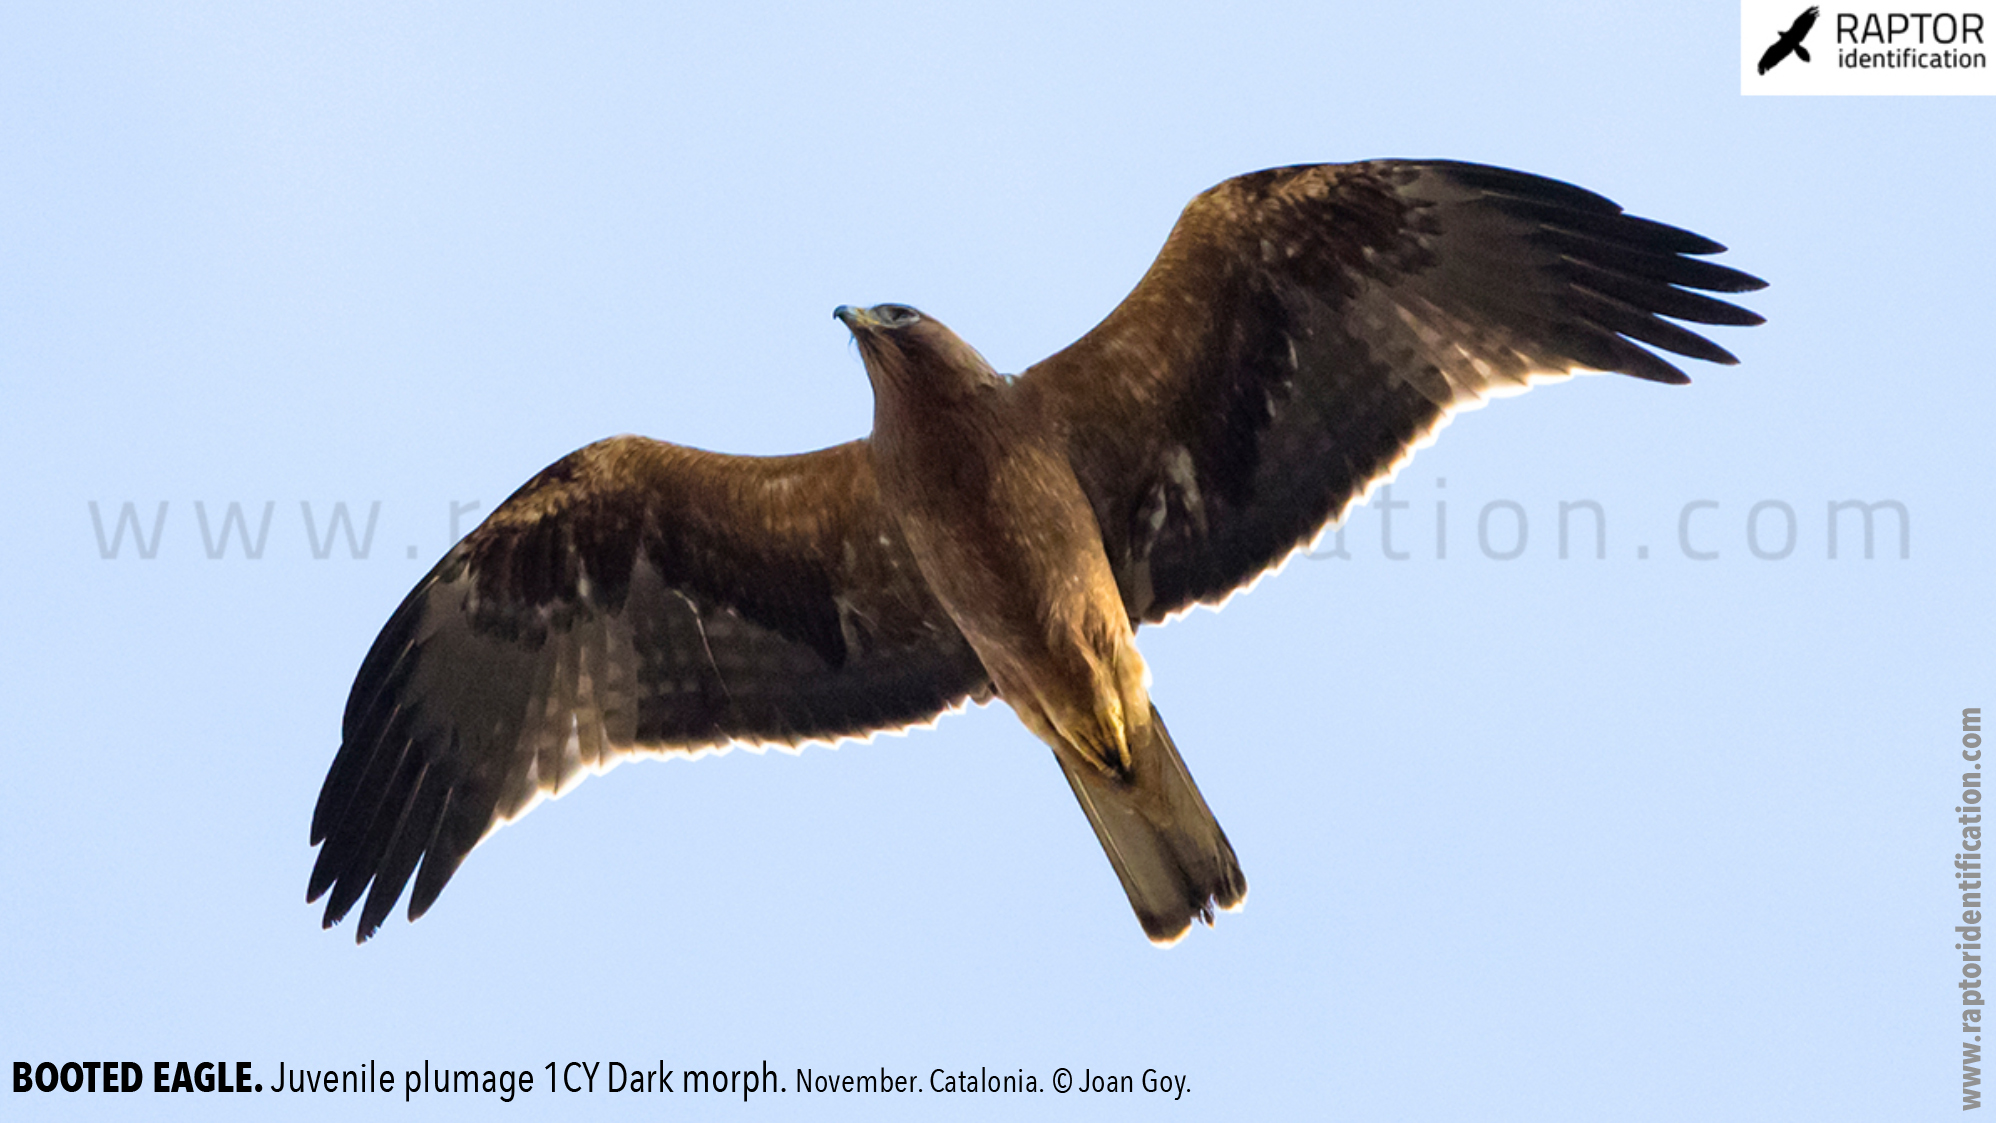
(856,319)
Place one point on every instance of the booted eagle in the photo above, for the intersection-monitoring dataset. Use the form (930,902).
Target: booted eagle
(1303,330)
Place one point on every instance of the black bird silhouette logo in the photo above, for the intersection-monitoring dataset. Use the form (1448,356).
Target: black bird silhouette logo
(1790,42)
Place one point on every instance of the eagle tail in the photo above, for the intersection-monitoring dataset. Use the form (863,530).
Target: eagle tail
(1169,852)
(1802,53)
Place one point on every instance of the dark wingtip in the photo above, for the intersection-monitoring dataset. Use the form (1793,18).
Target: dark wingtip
(1650,368)
(1682,240)
(323,876)
(1733,280)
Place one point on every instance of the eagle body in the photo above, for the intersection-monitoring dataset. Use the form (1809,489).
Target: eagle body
(1302,331)
(975,470)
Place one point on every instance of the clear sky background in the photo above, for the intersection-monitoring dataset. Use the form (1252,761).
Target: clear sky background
(1642,837)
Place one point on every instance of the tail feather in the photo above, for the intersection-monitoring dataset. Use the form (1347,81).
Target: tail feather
(1169,852)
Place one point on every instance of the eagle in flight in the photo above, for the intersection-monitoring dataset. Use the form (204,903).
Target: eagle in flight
(1302,331)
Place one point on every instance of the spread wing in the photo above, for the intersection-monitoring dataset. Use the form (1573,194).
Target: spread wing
(1305,328)
(635,597)
(1799,30)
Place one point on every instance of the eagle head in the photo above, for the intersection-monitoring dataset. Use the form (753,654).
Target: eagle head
(906,351)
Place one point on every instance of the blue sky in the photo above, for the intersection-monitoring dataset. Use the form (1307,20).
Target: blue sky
(1637,837)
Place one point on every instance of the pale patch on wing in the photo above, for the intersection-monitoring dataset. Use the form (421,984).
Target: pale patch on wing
(1179,473)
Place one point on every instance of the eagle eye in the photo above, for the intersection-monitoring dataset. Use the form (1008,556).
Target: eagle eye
(896,315)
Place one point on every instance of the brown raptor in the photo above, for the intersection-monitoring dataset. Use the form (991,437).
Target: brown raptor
(1302,331)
